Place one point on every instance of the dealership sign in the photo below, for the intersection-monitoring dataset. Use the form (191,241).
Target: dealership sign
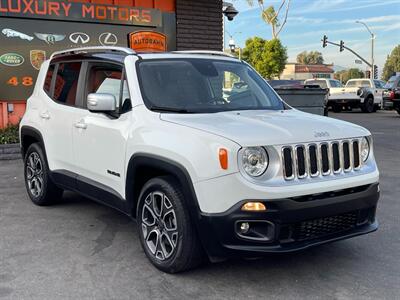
(81,12)
(148,41)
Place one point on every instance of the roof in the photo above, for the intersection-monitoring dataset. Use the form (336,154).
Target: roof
(119,54)
(313,69)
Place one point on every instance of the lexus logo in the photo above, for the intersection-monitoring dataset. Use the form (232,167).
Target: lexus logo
(108,39)
(79,38)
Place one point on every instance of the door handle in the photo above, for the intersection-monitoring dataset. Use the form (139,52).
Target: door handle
(81,125)
(45,115)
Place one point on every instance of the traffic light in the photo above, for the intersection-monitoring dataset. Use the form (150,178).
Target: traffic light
(368,74)
(324,41)
(375,72)
(341,46)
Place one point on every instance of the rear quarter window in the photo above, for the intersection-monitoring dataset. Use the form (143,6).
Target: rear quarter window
(48,80)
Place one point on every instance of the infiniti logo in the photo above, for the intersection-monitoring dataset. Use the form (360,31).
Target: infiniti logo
(79,38)
(322,134)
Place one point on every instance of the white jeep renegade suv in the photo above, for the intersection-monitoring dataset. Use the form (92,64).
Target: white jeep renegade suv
(204,168)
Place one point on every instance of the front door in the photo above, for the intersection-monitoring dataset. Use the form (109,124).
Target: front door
(99,139)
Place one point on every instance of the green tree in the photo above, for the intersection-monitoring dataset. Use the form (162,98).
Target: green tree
(271,16)
(346,75)
(267,57)
(392,63)
(310,58)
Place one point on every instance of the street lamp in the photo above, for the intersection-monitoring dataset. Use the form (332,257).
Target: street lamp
(233,47)
(230,12)
(372,48)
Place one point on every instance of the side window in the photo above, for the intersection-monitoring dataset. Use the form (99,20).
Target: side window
(66,84)
(334,83)
(107,79)
(47,81)
(377,84)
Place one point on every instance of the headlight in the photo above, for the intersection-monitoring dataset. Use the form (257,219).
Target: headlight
(365,149)
(255,161)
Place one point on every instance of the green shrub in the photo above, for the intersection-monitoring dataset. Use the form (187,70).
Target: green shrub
(9,135)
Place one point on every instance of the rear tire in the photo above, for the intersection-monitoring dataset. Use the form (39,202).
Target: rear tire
(39,185)
(398,110)
(337,108)
(368,105)
(167,234)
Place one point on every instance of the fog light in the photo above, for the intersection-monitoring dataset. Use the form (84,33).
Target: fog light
(244,227)
(254,206)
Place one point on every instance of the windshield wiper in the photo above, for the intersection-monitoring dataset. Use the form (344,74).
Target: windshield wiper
(169,109)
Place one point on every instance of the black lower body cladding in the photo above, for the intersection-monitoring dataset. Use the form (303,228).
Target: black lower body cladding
(291,224)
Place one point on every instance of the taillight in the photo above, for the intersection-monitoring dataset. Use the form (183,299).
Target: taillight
(391,95)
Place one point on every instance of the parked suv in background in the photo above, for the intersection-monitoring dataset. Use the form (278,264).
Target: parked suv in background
(156,137)
(391,96)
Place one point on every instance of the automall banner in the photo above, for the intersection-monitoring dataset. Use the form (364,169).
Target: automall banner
(26,42)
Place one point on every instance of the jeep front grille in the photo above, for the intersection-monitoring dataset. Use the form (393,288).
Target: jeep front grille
(320,159)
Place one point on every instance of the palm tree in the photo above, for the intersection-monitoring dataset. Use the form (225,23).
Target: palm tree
(271,16)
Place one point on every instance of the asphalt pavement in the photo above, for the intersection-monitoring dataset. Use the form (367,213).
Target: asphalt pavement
(81,250)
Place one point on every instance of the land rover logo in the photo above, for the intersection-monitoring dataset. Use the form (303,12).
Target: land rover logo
(322,134)
(12,59)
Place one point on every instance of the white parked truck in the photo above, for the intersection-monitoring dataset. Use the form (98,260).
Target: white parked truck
(361,93)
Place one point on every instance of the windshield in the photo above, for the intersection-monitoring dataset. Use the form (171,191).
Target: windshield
(204,86)
(358,83)
(391,82)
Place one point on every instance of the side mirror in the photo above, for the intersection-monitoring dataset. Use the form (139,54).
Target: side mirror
(101,102)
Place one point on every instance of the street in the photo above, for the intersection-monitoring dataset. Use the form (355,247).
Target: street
(79,249)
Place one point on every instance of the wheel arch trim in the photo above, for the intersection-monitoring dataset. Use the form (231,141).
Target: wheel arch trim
(34,133)
(169,166)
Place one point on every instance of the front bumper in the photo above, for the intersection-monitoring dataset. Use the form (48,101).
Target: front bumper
(351,102)
(297,223)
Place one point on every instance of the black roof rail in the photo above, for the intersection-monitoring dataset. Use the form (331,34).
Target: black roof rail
(99,49)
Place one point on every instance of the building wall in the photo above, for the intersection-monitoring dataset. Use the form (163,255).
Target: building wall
(164,5)
(199,24)
(304,76)
(288,72)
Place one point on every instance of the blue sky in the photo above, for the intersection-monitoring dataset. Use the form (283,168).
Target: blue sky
(309,20)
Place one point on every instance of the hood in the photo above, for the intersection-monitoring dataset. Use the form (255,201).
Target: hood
(256,128)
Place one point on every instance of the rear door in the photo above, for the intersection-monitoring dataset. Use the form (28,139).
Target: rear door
(61,87)
(99,139)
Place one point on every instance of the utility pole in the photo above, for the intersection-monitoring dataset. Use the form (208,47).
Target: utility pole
(372,48)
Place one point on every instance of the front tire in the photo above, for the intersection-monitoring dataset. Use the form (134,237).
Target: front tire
(368,105)
(166,232)
(39,185)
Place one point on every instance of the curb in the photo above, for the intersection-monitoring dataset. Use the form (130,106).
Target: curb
(10,152)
